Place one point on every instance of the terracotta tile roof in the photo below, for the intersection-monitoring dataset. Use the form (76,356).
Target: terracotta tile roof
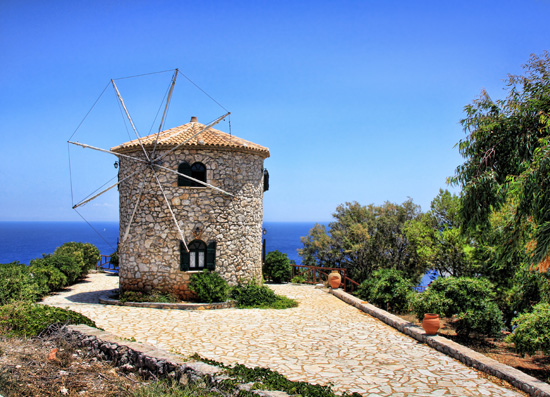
(210,138)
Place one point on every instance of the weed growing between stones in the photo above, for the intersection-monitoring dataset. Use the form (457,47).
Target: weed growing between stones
(267,379)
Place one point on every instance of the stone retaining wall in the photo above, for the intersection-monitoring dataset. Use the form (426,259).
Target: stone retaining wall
(149,361)
(173,306)
(519,379)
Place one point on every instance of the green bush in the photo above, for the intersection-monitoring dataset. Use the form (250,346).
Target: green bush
(531,334)
(66,264)
(49,277)
(252,295)
(277,267)
(85,255)
(387,288)
(18,284)
(298,279)
(209,287)
(470,299)
(29,319)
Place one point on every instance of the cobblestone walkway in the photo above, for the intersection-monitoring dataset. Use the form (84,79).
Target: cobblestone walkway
(322,341)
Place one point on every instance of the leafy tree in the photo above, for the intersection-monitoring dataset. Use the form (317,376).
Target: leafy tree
(318,249)
(507,161)
(528,289)
(438,239)
(363,239)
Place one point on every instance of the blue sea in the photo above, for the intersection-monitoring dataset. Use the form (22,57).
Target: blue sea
(24,241)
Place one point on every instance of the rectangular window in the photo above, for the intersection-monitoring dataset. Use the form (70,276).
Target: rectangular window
(192,263)
(201,259)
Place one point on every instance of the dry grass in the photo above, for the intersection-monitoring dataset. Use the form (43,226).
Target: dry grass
(52,366)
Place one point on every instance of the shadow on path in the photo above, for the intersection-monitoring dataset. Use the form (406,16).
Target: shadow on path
(91,297)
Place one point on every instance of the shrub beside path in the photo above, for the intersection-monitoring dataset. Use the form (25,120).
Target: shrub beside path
(322,341)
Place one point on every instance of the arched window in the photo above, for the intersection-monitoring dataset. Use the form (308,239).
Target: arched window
(185,169)
(199,257)
(266,180)
(196,171)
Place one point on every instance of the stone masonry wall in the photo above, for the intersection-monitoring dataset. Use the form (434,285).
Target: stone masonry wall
(150,256)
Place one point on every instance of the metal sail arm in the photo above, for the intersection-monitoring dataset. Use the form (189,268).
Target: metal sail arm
(129,118)
(213,123)
(171,211)
(107,151)
(127,230)
(105,190)
(196,180)
(165,110)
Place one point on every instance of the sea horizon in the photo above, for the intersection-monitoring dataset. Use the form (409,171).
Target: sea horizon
(24,241)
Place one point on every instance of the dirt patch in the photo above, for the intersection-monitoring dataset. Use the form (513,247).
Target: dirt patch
(537,366)
(51,365)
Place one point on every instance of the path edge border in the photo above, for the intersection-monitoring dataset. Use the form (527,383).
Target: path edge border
(515,377)
(147,359)
(173,306)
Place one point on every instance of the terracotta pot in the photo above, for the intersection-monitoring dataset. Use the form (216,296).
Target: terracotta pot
(334,279)
(430,323)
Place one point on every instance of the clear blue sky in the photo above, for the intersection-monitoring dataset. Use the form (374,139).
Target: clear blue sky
(357,100)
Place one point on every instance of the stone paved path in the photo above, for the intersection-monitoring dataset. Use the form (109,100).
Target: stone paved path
(323,340)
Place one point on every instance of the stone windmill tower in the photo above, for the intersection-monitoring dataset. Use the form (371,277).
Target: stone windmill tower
(191,198)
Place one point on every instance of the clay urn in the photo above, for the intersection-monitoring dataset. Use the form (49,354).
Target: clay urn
(334,279)
(430,323)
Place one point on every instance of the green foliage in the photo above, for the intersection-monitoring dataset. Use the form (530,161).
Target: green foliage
(387,288)
(529,288)
(153,296)
(298,279)
(318,250)
(49,278)
(171,388)
(507,161)
(113,259)
(66,264)
(85,255)
(29,319)
(18,284)
(209,286)
(363,239)
(272,380)
(252,295)
(438,240)
(471,300)
(277,267)
(531,334)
